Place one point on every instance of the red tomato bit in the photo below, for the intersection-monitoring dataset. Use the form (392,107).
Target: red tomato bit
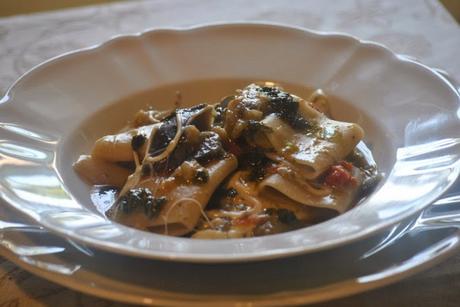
(234,148)
(339,176)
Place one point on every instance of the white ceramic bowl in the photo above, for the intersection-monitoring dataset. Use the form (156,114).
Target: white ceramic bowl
(53,114)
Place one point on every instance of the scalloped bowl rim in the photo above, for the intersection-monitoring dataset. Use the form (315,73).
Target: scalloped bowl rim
(238,255)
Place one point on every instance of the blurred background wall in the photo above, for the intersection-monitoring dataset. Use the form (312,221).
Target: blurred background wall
(453,6)
(14,7)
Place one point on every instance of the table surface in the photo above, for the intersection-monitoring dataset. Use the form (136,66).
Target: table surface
(422,29)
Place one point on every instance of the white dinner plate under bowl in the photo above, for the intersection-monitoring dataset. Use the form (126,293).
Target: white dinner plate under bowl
(53,114)
(415,244)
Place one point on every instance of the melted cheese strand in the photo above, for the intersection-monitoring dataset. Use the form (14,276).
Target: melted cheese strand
(133,179)
(193,201)
(246,194)
(171,145)
(149,142)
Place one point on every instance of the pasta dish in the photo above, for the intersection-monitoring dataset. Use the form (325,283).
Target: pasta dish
(259,162)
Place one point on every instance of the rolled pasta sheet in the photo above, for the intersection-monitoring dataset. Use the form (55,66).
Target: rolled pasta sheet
(185,202)
(338,200)
(329,142)
(268,198)
(100,172)
(274,199)
(117,147)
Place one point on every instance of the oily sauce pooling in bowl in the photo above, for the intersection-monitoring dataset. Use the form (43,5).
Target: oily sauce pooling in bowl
(260,162)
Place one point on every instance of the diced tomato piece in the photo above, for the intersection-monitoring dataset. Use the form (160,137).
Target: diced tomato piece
(249,220)
(234,148)
(347,165)
(339,176)
(271,169)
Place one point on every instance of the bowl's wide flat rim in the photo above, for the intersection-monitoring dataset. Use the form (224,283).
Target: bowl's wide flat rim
(111,39)
(239,256)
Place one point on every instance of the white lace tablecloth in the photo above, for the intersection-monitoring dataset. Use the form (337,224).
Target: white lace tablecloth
(422,29)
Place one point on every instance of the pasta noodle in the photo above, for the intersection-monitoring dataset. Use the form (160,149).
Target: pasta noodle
(260,162)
